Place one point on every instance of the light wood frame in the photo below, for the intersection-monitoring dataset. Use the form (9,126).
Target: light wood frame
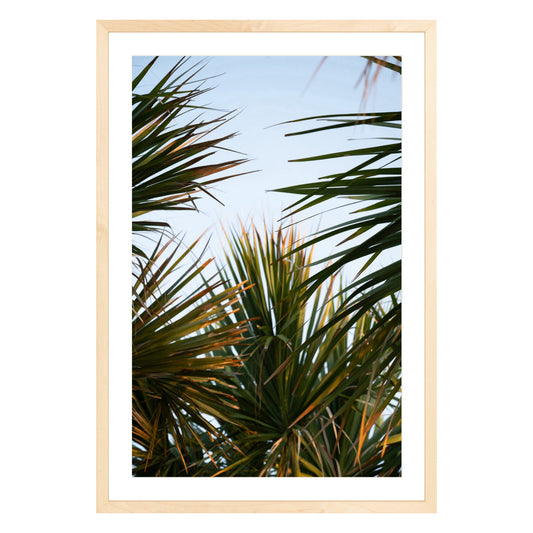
(103,504)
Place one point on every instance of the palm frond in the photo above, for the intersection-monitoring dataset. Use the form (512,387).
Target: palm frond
(174,370)
(372,182)
(171,143)
(300,383)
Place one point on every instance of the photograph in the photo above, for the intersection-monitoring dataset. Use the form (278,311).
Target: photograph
(266,233)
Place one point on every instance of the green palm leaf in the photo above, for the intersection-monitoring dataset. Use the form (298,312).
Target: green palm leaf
(301,384)
(171,143)
(175,373)
(178,321)
(372,182)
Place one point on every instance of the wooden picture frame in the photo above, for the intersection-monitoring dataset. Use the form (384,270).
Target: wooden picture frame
(104,503)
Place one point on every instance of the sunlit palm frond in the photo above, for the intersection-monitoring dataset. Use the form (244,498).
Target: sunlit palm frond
(300,383)
(176,329)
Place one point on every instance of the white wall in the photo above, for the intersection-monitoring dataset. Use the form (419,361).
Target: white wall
(484,346)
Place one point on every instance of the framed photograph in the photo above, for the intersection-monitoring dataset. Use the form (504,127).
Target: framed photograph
(266,266)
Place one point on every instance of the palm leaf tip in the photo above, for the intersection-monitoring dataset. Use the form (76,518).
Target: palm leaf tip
(171,140)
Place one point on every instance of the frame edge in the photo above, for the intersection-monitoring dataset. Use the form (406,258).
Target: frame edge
(430,208)
(102,267)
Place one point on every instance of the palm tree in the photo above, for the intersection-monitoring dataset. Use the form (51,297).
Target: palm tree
(262,369)
(170,144)
(173,371)
(373,184)
(311,401)
(175,329)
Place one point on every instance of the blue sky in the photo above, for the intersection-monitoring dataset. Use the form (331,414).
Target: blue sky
(266,91)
